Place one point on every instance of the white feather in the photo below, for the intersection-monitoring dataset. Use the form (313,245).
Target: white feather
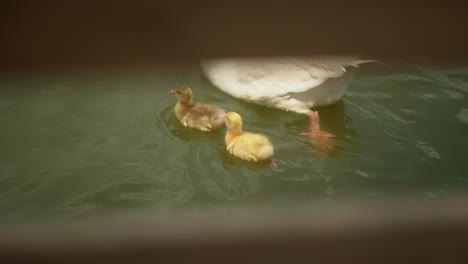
(266,152)
(290,83)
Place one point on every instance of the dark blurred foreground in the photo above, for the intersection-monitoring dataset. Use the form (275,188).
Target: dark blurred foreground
(412,232)
(40,36)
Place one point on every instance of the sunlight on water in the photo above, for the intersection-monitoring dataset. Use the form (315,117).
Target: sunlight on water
(80,146)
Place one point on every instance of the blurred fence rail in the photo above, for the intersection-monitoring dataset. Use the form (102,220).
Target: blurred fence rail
(410,232)
(38,35)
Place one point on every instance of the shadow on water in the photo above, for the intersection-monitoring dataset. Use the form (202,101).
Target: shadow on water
(333,119)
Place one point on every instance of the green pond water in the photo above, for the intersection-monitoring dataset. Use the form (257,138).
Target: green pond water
(73,146)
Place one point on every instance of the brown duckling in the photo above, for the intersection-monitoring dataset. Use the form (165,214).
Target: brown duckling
(204,117)
(245,145)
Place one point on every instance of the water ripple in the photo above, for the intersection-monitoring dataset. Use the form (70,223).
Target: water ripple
(427,149)
(405,77)
(463,115)
(444,79)
(165,122)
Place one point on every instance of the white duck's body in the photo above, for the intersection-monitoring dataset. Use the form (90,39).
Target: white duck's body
(291,83)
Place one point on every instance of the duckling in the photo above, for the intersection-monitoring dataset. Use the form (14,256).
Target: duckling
(204,117)
(245,145)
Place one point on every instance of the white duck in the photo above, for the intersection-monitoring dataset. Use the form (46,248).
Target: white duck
(290,83)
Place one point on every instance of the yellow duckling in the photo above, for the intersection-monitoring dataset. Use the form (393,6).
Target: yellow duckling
(245,145)
(204,117)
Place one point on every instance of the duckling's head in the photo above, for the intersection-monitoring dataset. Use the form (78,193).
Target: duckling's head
(183,93)
(233,121)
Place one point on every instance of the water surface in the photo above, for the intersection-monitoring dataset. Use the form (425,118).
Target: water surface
(74,146)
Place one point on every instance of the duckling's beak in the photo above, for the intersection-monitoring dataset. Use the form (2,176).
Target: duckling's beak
(173,91)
